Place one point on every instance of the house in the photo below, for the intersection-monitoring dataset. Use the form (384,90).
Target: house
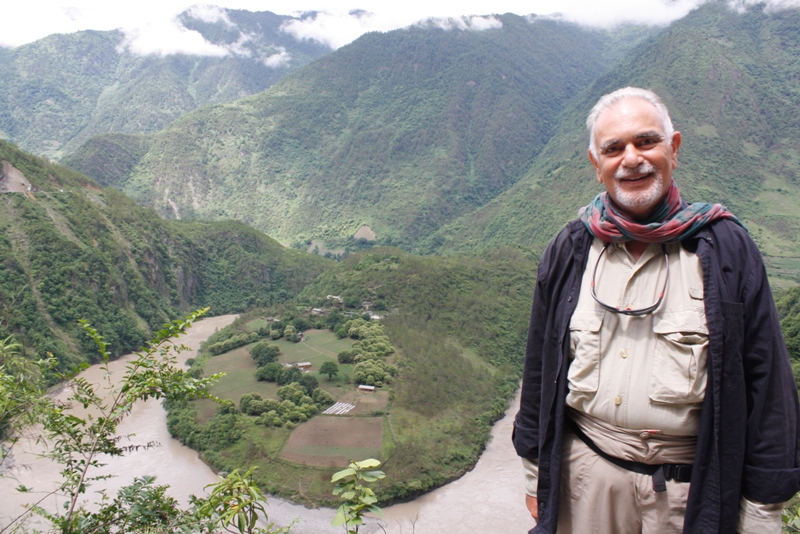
(304,365)
(317,311)
(364,387)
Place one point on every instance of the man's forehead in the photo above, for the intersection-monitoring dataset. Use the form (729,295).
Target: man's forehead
(633,116)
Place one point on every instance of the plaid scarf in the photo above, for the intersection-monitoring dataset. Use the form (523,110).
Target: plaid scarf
(670,222)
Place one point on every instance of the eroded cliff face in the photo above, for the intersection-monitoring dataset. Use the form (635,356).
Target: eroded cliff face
(12,180)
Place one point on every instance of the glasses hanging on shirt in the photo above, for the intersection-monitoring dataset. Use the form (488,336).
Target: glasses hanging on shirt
(628,311)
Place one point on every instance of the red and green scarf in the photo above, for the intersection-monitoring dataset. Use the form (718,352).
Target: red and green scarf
(672,221)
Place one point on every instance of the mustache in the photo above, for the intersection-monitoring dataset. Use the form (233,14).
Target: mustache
(643,168)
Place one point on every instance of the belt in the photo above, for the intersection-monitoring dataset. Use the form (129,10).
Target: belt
(660,472)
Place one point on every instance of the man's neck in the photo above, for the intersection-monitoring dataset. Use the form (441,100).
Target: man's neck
(636,248)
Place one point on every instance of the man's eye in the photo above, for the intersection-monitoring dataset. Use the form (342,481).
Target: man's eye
(610,151)
(648,142)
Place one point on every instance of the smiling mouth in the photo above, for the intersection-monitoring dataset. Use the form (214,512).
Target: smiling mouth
(635,177)
(643,171)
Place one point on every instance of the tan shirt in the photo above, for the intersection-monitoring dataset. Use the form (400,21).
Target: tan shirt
(646,372)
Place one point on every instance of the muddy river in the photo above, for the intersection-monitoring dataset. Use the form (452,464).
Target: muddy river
(487,500)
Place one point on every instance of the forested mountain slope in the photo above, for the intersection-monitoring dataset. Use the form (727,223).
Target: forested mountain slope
(731,83)
(57,92)
(402,131)
(71,250)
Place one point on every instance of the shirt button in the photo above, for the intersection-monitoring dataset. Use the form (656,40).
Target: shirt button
(645,435)
(617,400)
(624,353)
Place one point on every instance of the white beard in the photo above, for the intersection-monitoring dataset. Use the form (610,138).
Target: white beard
(643,198)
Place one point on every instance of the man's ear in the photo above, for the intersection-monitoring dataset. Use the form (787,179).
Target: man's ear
(676,145)
(597,166)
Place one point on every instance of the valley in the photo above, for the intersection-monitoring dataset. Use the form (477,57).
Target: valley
(382,207)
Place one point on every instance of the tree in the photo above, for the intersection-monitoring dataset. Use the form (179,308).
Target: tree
(289,375)
(270,372)
(346,356)
(309,382)
(264,353)
(322,397)
(21,390)
(329,368)
(356,496)
(294,393)
(246,400)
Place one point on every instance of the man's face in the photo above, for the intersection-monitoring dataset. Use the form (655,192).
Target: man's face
(634,158)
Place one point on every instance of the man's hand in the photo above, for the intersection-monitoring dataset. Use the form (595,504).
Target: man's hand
(533,506)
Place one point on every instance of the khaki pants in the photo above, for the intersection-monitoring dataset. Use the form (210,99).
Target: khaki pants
(600,497)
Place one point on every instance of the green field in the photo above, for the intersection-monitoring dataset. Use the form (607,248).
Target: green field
(239,368)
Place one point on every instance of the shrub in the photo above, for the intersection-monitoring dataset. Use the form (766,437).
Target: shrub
(346,356)
(270,372)
(309,382)
(322,397)
(264,353)
(289,375)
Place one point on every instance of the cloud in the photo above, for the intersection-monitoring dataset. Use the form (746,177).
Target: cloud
(163,38)
(278,59)
(334,23)
(474,23)
(209,14)
(334,29)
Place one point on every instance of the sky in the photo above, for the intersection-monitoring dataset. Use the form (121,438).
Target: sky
(151,26)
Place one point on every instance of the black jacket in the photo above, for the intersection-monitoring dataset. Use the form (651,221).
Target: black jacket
(748,441)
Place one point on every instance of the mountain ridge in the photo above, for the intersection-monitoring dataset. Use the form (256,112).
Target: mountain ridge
(425,124)
(55,93)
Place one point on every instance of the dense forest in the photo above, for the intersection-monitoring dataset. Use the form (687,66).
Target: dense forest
(71,250)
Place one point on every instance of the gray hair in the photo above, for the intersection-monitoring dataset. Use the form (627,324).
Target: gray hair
(610,99)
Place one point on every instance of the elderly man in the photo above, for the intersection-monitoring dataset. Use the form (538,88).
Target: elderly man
(657,394)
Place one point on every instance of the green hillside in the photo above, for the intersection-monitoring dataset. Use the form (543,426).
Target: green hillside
(71,250)
(402,131)
(730,81)
(57,92)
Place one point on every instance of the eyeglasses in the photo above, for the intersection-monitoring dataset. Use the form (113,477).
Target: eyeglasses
(628,311)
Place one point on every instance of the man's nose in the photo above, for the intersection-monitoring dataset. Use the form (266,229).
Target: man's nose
(631,156)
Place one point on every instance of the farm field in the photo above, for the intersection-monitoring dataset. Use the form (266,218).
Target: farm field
(331,441)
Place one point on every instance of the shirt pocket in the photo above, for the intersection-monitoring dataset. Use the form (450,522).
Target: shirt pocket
(584,370)
(678,375)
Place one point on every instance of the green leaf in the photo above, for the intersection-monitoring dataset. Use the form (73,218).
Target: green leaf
(343,473)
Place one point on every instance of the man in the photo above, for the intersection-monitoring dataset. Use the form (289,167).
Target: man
(657,394)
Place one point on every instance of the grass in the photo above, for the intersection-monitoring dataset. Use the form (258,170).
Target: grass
(240,369)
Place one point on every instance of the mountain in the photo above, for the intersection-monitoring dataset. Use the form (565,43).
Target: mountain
(71,250)
(730,82)
(402,131)
(57,92)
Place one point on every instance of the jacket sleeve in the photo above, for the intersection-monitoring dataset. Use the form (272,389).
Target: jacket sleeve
(526,424)
(772,466)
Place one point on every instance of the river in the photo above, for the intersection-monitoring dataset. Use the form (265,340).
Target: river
(487,500)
